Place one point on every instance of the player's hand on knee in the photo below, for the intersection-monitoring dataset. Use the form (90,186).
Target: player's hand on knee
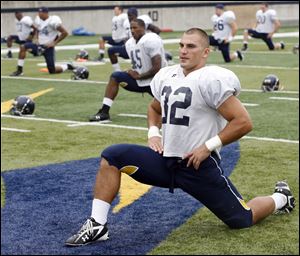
(155,144)
(196,156)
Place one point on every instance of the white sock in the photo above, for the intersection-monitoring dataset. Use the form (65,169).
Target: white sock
(21,62)
(235,54)
(116,67)
(9,49)
(107,101)
(100,210)
(245,42)
(280,200)
(64,67)
(101,51)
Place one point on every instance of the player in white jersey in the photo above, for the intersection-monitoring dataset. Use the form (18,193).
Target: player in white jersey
(199,111)
(120,50)
(119,34)
(267,23)
(146,52)
(225,28)
(50,32)
(25,31)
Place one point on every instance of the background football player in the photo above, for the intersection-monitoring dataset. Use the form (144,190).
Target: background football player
(225,28)
(50,33)
(25,32)
(146,52)
(267,23)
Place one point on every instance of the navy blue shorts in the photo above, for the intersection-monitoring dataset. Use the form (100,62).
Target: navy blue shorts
(119,50)
(128,83)
(48,53)
(17,40)
(264,36)
(111,41)
(224,48)
(207,184)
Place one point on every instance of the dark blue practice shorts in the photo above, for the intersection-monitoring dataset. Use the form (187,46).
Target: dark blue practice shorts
(128,83)
(264,36)
(48,53)
(224,48)
(119,50)
(17,40)
(111,41)
(207,184)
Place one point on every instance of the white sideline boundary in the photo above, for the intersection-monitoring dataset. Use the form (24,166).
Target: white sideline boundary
(74,123)
(284,98)
(165,41)
(103,82)
(13,129)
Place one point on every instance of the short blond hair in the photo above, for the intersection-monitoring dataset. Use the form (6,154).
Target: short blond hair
(203,35)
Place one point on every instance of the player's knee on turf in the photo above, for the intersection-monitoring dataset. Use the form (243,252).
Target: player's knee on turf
(51,70)
(240,222)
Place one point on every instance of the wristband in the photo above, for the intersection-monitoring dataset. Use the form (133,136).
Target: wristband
(213,143)
(153,131)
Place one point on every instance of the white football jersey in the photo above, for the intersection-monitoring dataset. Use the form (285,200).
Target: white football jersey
(146,18)
(24,27)
(265,21)
(189,105)
(222,28)
(142,52)
(47,29)
(119,32)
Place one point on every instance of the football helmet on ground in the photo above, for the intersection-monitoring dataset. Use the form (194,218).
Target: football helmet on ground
(80,73)
(83,54)
(270,83)
(22,105)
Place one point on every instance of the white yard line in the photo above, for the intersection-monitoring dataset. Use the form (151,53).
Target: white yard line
(284,98)
(166,41)
(260,91)
(13,130)
(250,104)
(271,139)
(75,123)
(132,115)
(54,80)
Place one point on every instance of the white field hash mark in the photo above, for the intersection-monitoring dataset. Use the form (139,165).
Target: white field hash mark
(74,123)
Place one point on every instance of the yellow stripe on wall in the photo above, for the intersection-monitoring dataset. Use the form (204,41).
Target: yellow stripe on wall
(5,106)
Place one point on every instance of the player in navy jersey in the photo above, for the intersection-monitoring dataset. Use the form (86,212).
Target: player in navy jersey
(197,108)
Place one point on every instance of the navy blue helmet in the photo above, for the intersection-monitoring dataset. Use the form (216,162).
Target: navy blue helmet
(22,105)
(270,83)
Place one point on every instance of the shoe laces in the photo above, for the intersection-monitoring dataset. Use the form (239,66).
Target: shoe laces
(87,227)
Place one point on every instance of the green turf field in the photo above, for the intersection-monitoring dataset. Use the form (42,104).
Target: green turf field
(262,162)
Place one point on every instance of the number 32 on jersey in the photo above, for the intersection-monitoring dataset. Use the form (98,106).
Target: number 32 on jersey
(181,99)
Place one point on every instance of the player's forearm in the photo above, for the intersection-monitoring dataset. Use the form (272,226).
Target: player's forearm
(61,37)
(235,129)
(154,115)
(276,26)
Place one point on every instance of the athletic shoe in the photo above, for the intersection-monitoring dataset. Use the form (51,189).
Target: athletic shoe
(282,45)
(283,188)
(9,55)
(240,55)
(17,73)
(100,117)
(100,59)
(70,66)
(90,232)
(245,47)
(296,49)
